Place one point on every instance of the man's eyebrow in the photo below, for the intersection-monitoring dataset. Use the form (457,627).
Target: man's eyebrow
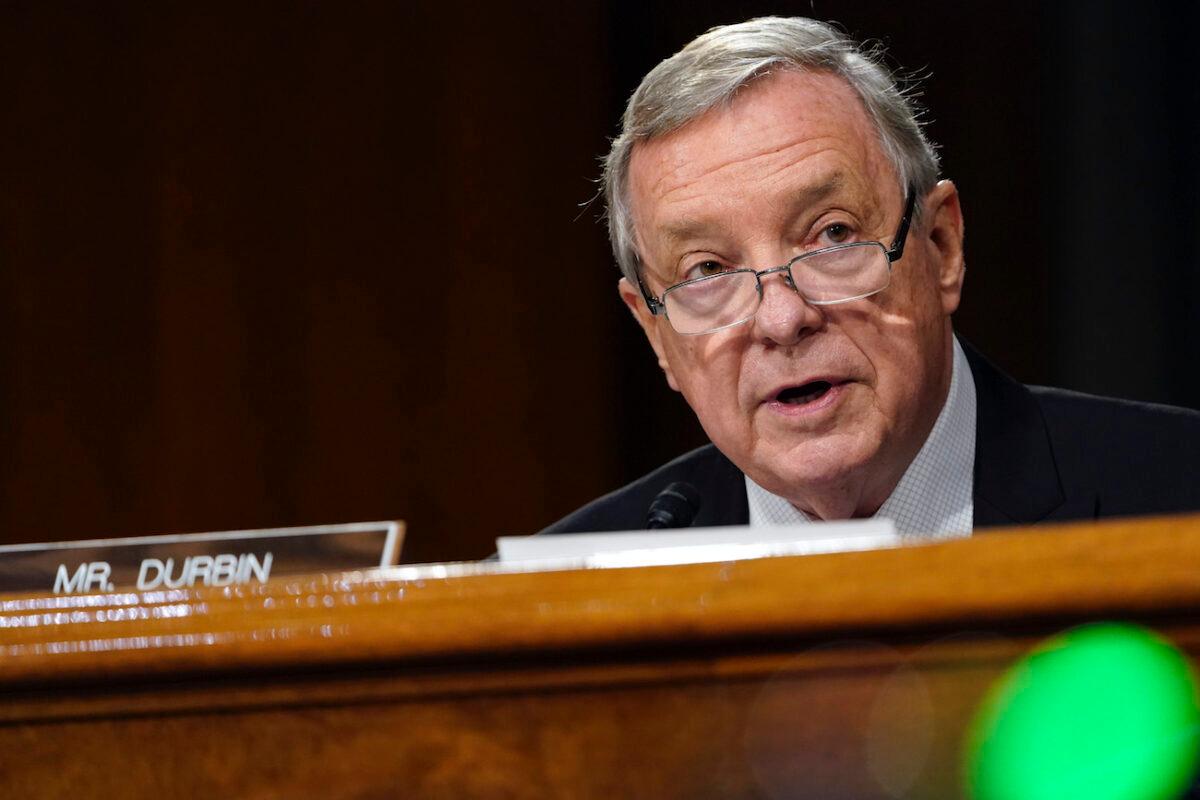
(692,228)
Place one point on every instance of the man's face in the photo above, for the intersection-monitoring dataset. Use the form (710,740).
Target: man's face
(823,405)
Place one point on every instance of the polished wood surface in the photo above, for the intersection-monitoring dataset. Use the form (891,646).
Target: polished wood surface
(844,675)
(409,614)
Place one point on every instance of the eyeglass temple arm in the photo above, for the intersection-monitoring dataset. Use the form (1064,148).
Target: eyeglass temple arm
(653,303)
(897,251)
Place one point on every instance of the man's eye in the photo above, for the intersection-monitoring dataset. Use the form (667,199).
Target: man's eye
(837,233)
(703,269)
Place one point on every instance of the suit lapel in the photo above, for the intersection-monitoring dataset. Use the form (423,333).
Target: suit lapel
(1016,478)
(723,491)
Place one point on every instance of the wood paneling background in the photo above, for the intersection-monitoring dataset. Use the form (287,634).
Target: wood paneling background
(268,263)
(288,263)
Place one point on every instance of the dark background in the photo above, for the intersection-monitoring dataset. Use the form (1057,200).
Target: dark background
(272,264)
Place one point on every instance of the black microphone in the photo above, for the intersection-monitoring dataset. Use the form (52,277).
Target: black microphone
(675,507)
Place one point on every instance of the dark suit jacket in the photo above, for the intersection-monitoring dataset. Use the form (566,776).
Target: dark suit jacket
(1040,455)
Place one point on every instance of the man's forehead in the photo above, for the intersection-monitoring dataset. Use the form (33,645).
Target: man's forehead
(812,192)
(777,122)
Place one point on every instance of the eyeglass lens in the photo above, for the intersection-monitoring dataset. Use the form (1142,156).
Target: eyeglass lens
(729,298)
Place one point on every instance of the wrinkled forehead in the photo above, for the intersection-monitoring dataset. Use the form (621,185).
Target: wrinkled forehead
(789,127)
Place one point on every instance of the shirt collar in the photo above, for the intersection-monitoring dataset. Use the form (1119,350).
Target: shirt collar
(934,498)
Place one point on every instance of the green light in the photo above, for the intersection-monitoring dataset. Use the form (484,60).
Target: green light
(1103,712)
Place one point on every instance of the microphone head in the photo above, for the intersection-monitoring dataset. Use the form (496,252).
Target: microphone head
(674,507)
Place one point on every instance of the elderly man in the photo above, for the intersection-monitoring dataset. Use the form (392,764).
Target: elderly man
(794,261)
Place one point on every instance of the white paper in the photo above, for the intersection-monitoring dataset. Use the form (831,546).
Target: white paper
(699,545)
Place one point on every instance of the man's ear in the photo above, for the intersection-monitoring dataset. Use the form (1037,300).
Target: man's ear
(652,326)
(944,224)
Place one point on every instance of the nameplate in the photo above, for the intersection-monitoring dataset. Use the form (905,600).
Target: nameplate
(180,561)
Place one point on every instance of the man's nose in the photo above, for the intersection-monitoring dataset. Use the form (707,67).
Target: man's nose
(784,317)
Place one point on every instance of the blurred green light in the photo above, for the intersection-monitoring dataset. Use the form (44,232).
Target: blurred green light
(1103,712)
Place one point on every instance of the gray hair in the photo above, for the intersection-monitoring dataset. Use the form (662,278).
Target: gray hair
(714,66)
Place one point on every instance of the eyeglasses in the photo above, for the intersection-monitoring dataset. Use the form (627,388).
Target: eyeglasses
(824,277)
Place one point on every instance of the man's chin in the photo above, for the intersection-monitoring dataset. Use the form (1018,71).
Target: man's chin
(807,474)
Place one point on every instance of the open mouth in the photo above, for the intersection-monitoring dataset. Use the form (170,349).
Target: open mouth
(802,395)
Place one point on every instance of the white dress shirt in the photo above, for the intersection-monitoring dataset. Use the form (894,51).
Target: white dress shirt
(934,498)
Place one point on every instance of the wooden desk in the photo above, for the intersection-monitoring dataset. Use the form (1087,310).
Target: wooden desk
(847,675)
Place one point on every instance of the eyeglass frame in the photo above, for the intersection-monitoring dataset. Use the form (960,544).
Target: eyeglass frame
(657,305)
